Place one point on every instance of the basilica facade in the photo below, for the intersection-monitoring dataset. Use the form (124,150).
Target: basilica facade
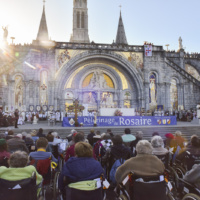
(49,75)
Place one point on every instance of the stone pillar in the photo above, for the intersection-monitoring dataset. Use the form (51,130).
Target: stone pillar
(62,106)
(180,94)
(146,95)
(11,96)
(167,97)
(182,63)
(121,101)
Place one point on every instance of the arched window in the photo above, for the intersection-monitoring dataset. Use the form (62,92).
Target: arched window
(82,20)
(78,19)
(174,94)
(152,90)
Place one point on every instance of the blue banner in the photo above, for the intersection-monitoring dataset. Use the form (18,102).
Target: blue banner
(121,121)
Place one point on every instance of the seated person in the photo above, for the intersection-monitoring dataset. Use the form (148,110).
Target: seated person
(128,137)
(193,176)
(191,154)
(169,141)
(144,164)
(41,153)
(56,139)
(4,154)
(139,136)
(17,144)
(178,140)
(79,137)
(61,144)
(18,168)
(34,136)
(117,151)
(81,167)
(157,144)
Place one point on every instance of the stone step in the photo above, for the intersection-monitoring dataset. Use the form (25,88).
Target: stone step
(65,131)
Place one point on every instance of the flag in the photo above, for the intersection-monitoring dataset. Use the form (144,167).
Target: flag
(148,50)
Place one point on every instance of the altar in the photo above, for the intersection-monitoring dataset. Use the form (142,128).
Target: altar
(111,111)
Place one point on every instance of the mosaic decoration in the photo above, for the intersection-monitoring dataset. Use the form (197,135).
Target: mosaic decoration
(98,79)
(64,55)
(192,71)
(136,59)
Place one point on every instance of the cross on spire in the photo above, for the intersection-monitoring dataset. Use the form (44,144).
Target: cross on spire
(120,7)
(44,2)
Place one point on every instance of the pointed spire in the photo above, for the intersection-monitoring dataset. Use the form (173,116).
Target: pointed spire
(43,31)
(121,35)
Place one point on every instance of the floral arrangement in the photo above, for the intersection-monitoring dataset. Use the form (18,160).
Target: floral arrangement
(118,113)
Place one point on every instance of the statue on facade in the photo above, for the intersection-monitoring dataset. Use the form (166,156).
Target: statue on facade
(180,43)
(98,81)
(152,91)
(5,34)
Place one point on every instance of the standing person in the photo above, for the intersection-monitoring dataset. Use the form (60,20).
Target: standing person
(16,117)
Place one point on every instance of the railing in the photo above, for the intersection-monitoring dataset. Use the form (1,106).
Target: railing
(110,47)
(182,72)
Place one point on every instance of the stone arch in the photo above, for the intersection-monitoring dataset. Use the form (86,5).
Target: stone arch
(86,71)
(121,64)
(12,77)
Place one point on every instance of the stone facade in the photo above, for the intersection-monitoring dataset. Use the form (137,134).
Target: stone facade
(84,60)
(51,74)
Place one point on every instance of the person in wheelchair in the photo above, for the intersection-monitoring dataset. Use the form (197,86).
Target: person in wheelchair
(144,164)
(117,151)
(41,153)
(193,176)
(18,169)
(191,154)
(82,167)
(4,154)
(158,146)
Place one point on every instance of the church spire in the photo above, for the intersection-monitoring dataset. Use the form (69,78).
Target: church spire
(43,31)
(121,35)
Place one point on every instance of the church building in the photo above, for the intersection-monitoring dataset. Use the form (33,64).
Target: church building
(49,75)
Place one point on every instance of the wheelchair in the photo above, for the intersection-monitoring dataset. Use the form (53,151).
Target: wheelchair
(79,190)
(179,168)
(47,169)
(188,191)
(17,190)
(4,162)
(143,188)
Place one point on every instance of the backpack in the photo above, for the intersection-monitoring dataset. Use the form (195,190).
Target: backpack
(113,170)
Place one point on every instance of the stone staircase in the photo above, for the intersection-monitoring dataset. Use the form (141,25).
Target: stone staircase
(186,128)
(182,71)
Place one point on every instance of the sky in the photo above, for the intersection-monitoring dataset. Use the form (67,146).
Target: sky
(160,22)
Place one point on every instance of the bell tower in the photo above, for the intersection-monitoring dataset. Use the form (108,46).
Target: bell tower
(80,22)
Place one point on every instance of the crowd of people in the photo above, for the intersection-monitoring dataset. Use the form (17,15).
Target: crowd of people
(17,117)
(99,154)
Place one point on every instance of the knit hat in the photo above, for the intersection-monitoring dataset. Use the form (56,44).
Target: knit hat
(2,142)
(169,135)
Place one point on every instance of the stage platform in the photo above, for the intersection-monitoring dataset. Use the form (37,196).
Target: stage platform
(187,128)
